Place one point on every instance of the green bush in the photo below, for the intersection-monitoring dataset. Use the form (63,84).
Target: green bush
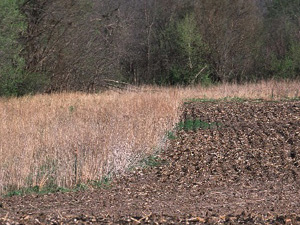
(18,83)
(289,66)
(283,23)
(14,80)
(189,66)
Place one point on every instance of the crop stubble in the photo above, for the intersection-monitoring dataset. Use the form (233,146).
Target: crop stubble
(246,170)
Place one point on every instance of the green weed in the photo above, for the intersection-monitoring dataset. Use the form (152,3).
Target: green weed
(170,135)
(151,161)
(71,109)
(105,182)
(80,187)
(36,190)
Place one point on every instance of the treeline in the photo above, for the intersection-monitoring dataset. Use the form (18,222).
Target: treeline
(78,44)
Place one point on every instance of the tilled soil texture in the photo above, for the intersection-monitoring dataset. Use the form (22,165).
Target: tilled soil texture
(227,163)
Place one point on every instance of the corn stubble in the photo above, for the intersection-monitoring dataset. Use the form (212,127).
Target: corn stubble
(69,138)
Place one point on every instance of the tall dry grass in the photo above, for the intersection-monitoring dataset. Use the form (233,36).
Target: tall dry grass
(43,137)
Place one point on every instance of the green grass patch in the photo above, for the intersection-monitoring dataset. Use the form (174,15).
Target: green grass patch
(94,184)
(296,98)
(196,124)
(151,161)
(234,99)
(36,190)
(192,124)
(229,99)
(238,99)
(190,100)
(105,183)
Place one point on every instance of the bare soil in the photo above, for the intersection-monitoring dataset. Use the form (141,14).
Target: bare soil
(244,169)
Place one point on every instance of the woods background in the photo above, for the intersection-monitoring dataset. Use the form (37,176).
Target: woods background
(77,45)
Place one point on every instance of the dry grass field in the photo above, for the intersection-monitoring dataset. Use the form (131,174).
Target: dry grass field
(69,138)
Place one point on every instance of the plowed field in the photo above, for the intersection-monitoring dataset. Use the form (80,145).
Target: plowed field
(228,163)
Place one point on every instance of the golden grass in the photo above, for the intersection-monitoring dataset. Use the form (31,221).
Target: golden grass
(41,136)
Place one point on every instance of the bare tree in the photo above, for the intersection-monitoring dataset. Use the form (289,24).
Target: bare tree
(72,41)
(230,29)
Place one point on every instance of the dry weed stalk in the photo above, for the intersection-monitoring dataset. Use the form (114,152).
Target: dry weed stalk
(109,131)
